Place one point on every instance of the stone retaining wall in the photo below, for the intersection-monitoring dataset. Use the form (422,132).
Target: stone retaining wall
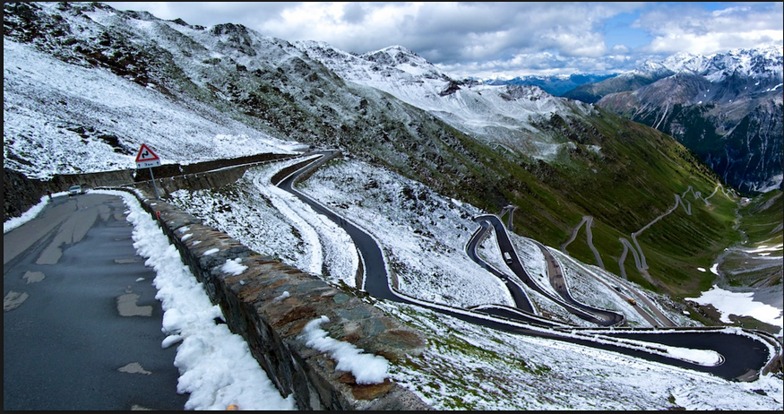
(20,193)
(269,304)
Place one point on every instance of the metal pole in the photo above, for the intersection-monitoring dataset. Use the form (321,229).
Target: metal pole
(511,217)
(157,196)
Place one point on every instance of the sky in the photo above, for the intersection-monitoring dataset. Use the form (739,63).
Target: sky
(503,39)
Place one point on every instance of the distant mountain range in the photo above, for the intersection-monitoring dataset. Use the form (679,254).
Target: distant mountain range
(85,85)
(554,85)
(726,108)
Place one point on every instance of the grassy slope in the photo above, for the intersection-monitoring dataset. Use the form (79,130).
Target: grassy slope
(761,222)
(631,183)
(761,219)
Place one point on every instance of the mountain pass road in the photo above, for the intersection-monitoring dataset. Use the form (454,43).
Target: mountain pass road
(743,356)
(81,325)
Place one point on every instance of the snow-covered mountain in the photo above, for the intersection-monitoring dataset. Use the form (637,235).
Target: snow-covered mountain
(500,115)
(556,85)
(263,82)
(726,107)
(763,64)
(85,85)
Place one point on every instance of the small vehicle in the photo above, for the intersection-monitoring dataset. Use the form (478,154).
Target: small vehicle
(508,258)
(631,301)
(75,190)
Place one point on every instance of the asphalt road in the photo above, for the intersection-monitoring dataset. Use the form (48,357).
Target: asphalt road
(743,355)
(598,316)
(517,292)
(81,325)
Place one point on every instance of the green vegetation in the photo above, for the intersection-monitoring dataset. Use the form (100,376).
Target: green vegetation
(761,220)
(632,181)
(457,366)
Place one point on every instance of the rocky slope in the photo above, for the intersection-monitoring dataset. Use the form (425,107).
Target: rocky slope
(86,84)
(726,108)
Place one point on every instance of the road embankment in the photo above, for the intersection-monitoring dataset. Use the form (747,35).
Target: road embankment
(269,304)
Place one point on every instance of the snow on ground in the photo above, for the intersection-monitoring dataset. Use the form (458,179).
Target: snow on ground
(534,264)
(459,366)
(30,214)
(46,103)
(740,304)
(216,366)
(271,221)
(422,234)
(464,366)
(474,368)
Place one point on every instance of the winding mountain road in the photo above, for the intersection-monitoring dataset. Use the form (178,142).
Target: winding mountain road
(599,316)
(588,221)
(518,294)
(738,357)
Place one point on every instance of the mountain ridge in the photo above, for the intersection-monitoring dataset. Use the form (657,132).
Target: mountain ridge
(556,159)
(725,107)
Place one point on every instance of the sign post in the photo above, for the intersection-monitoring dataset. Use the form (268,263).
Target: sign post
(145,158)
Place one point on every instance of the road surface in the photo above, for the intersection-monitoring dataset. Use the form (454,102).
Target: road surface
(81,325)
(742,356)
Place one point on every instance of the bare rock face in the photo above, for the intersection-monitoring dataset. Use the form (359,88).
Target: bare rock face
(727,109)
(19,193)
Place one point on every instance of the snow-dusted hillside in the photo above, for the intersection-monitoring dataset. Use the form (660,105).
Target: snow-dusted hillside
(423,235)
(109,81)
(499,114)
(47,103)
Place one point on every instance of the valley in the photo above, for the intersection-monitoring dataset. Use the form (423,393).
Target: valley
(405,249)
(614,228)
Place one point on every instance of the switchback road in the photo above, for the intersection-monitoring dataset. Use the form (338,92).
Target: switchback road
(740,357)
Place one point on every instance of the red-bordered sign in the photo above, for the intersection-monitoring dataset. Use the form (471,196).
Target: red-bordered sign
(145,158)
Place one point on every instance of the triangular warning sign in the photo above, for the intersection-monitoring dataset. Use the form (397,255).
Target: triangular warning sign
(146,154)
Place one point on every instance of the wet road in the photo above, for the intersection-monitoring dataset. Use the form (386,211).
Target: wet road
(81,325)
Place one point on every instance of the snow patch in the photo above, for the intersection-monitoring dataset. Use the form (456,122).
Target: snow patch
(233,266)
(366,368)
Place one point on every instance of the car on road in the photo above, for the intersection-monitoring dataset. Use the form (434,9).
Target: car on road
(508,258)
(75,190)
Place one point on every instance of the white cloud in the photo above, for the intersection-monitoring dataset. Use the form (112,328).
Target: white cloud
(694,30)
(498,38)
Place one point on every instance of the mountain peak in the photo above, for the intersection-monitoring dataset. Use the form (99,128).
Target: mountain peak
(394,56)
(761,62)
(398,49)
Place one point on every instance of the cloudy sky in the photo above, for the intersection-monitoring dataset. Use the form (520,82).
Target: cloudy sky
(503,39)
